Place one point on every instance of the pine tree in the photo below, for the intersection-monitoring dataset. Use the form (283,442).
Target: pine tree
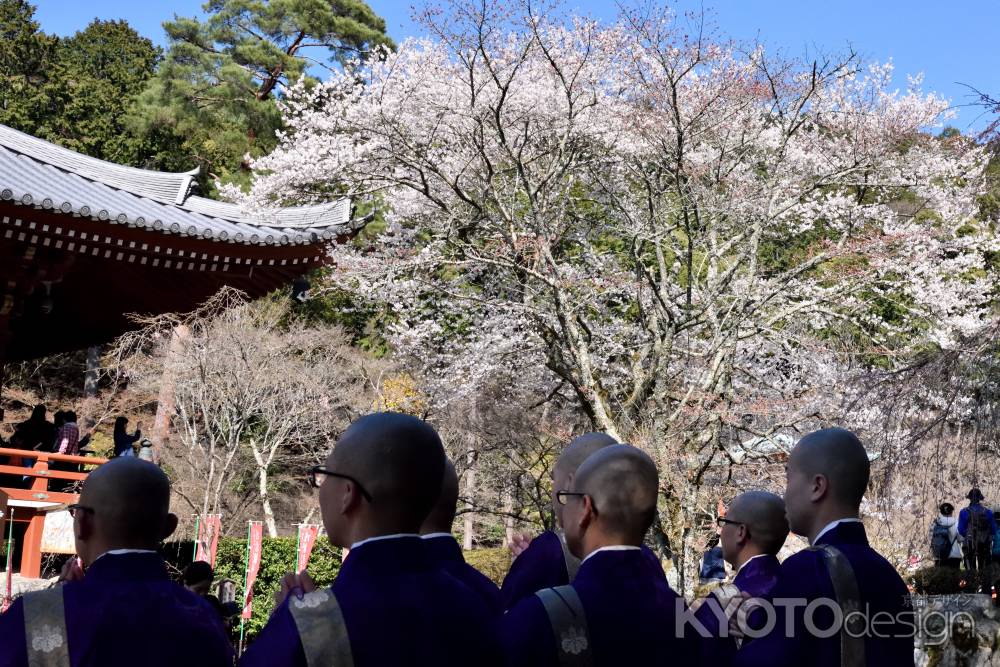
(213,101)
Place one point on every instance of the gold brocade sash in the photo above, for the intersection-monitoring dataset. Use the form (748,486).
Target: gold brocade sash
(321,629)
(45,628)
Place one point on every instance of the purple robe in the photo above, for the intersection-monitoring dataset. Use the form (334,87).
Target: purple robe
(447,553)
(631,617)
(543,565)
(884,599)
(758,577)
(399,608)
(127,612)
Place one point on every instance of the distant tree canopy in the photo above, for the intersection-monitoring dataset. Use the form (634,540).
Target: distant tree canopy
(74,91)
(213,100)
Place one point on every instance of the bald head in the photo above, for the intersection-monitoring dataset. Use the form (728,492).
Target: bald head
(622,482)
(763,514)
(442,516)
(580,449)
(399,461)
(838,455)
(130,499)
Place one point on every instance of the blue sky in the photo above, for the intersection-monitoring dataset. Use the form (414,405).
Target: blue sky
(951,43)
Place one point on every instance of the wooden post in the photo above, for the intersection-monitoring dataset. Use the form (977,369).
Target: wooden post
(31,553)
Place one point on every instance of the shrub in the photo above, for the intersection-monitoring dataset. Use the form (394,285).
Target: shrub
(494,563)
(942,581)
(277,558)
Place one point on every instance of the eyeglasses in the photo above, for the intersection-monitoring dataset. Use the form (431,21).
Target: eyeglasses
(561,496)
(75,509)
(722,521)
(318,474)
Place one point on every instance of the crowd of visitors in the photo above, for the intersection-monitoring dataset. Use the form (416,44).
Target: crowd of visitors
(588,592)
(972,538)
(62,436)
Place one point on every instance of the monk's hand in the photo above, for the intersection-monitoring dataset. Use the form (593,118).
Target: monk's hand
(518,543)
(71,571)
(297,584)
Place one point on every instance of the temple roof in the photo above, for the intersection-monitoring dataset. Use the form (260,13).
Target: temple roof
(36,173)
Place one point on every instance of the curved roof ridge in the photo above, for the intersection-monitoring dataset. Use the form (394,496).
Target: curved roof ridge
(167,187)
(332,213)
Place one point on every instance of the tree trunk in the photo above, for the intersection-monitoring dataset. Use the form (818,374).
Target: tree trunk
(265,501)
(90,384)
(265,496)
(165,402)
(470,487)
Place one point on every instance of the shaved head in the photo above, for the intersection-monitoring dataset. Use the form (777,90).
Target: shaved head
(827,475)
(577,451)
(130,499)
(398,460)
(623,483)
(763,514)
(443,515)
(580,449)
(837,454)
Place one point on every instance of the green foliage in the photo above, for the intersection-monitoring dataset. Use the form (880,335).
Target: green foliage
(100,72)
(75,91)
(26,57)
(278,557)
(213,100)
(494,563)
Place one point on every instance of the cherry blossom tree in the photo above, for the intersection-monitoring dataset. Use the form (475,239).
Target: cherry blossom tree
(696,240)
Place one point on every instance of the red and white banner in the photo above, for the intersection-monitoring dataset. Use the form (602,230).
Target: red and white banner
(307,538)
(208,538)
(253,564)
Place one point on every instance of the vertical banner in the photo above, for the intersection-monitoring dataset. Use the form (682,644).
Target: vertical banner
(254,545)
(207,541)
(213,547)
(307,538)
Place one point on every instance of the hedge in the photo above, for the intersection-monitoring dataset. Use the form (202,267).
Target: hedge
(278,557)
(949,581)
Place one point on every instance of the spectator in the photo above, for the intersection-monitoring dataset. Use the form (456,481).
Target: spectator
(146,451)
(58,419)
(124,441)
(713,566)
(976,526)
(946,546)
(197,578)
(68,435)
(35,433)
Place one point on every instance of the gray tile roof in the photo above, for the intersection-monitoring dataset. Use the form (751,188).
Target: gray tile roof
(37,173)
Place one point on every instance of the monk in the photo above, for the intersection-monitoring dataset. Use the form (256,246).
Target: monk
(751,534)
(117,606)
(391,603)
(616,611)
(547,561)
(827,476)
(445,550)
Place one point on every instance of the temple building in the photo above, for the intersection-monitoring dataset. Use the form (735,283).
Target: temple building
(84,243)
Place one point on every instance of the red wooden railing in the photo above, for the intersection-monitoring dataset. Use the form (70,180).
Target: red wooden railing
(31,555)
